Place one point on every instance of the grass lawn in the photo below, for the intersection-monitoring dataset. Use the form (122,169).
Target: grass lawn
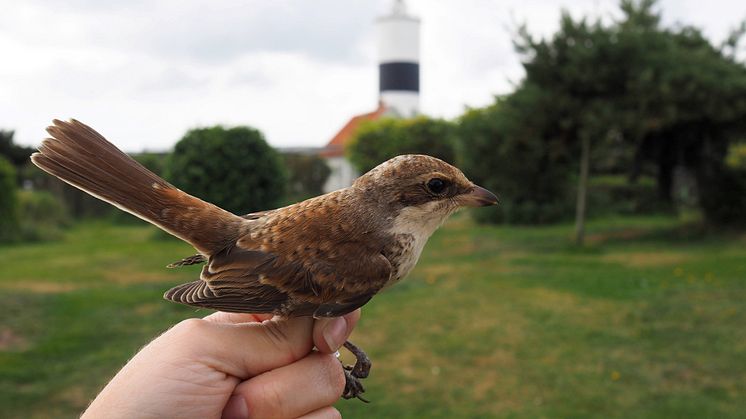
(647,321)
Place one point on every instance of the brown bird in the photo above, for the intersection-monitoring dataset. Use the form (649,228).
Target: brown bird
(323,257)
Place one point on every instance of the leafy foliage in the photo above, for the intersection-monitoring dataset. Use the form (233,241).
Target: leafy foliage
(233,168)
(501,151)
(155,162)
(16,154)
(378,141)
(736,158)
(725,202)
(306,174)
(42,216)
(647,95)
(8,201)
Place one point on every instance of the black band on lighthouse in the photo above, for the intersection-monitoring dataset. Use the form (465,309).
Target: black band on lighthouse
(399,76)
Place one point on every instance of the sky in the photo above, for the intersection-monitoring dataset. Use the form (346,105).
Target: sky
(144,72)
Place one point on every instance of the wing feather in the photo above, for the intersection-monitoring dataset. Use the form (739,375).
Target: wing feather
(266,271)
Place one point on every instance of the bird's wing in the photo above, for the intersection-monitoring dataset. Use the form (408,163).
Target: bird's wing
(257,215)
(199,259)
(243,279)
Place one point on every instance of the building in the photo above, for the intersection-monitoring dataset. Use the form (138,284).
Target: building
(398,88)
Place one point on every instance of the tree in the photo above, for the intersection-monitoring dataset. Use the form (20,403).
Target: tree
(736,158)
(377,141)
(233,168)
(673,98)
(581,69)
(307,174)
(8,201)
(155,162)
(503,148)
(16,154)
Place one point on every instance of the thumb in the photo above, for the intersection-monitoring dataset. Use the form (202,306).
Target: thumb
(331,332)
(242,350)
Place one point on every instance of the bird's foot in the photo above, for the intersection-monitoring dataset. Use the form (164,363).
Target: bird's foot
(362,362)
(353,374)
(353,386)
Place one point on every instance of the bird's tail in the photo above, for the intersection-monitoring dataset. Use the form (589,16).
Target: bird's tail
(83,158)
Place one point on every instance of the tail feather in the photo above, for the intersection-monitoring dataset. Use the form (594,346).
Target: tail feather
(83,158)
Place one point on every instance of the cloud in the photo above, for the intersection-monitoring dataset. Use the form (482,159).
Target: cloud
(198,31)
(144,72)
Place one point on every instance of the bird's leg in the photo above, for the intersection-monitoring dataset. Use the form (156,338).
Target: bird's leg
(362,362)
(353,374)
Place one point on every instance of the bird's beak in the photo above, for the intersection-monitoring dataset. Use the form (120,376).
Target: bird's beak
(478,197)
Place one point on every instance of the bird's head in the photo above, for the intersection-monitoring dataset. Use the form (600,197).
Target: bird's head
(422,189)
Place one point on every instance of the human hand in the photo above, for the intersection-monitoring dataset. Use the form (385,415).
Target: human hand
(232,365)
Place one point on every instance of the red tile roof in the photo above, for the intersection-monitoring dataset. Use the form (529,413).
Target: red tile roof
(336,147)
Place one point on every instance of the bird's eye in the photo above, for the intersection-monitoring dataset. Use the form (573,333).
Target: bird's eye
(436,185)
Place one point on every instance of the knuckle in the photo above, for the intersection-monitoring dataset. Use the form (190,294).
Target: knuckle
(278,334)
(190,334)
(190,327)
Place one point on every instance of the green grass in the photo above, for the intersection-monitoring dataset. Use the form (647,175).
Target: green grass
(645,322)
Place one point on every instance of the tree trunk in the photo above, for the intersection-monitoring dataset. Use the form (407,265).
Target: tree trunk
(585,157)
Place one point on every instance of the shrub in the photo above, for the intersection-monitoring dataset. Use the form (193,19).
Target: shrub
(8,202)
(736,158)
(614,194)
(306,174)
(723,201)
(42,216)
(155,162)
(377,141)
(506,153)
(233,168)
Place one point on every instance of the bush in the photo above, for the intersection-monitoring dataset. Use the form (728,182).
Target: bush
(8,202)
(616,195)
(723,201)
(736,158)
(377,141)
(503,150)
(42,216)
(306,175)
(233,168)
(155,162)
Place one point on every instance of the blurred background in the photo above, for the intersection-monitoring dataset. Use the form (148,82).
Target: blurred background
(610,282)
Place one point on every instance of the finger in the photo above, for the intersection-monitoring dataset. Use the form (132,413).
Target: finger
(308,385)
(328,412)
(330,333)
(224,317)
(242,350)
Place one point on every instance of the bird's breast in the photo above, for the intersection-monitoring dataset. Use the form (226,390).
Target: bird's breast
(403,253)
(411,229)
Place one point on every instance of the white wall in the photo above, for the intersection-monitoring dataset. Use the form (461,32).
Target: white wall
(342,175)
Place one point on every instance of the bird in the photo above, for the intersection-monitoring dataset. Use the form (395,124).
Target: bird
(322,257)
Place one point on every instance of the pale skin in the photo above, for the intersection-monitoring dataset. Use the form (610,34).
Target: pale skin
(233,366)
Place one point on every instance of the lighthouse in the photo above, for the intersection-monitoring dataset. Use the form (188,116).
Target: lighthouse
(398,88)
(399,61)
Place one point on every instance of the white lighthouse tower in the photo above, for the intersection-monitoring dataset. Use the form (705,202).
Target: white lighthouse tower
(399,61)
(398,86)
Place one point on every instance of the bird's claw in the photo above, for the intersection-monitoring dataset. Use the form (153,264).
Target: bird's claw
(355,373)
(353,386)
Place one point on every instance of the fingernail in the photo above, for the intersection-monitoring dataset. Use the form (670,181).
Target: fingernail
(236,408)
(335,333)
